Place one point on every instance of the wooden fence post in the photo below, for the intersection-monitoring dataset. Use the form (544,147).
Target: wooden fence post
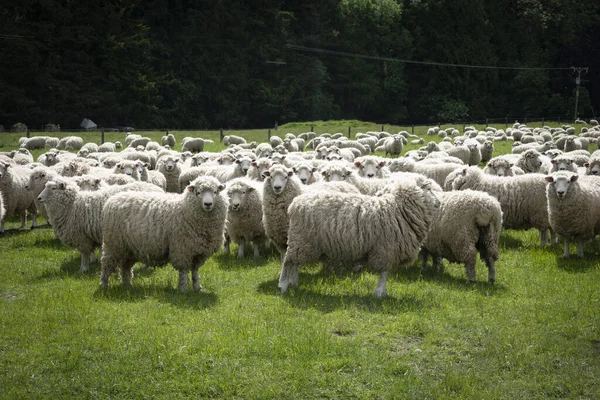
(27,132)
(349,128)
(269,134)
(102,137)
(221,134)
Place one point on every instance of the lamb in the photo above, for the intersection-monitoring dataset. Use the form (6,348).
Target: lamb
(170,167)
(194,144)
(17,199)
(467,222)
(229,172)
(572,208)
(70,143)
(184,229)
(385,231)
(232,139)
(392,145)
(168,140)
(521,197)
(245,216)
(487,151)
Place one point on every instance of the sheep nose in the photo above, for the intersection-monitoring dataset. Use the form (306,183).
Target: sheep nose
(244,170)
(561,168)
(277,187)
(370,175)
(560,193)
(303,180)
(208,205)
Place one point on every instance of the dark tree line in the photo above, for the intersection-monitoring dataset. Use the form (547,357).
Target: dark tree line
(226,63)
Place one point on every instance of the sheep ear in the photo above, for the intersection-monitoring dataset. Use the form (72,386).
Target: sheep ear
(254,164)
(290,173)
(323,172)
(464,171)
(549,179)
(97,181)
(574,178)
(587,164)
(295,170)
(238,161)
(62,185)
(357,164)
(314,169)
(220,187)
(382,163)
(266,173)
(553,161)
(191,188)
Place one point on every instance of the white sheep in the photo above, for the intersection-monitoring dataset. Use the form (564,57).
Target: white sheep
(17,199)
(371,167)
(245,216)
(183,229)
(168,140)
(392,145)
(33,143)
(437,172)
(75,214)
(228,172)
(22,157)
(385,231)
(502,166)
(108,147)
(521,197)
(306,172)
(573,208)
(233,139)
(170,167)
(259,166)
(466,223)
(194,144)
(70,143)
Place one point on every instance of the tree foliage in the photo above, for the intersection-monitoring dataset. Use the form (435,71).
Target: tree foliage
(226,63)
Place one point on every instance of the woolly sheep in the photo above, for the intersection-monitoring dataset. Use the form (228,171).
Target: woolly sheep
(306,173)
(342,228)
(263,150)
(194,144)
(75,214)
(487,151)
(501,166)
(139,141)
(183,229)
(531,161)
(232,139)
(466,223)
(275,141)
(244,216)
(34,143)
(22,157)
(107,147)
(17,199)
(259,166)
(437,172)
(70,143)
(392,145)
(573,208)
(521,197)
(371,167)
(170,167)
(226,173)
(142,173)
(37,182)
(168,140)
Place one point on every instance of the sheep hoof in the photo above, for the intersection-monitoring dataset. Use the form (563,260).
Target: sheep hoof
(380,294)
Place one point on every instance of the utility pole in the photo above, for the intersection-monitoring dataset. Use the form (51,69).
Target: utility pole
(579,70)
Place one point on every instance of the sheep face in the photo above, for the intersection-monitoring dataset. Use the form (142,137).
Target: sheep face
(562,164)
(304,173)
(561,183)
(532,158)
(593,168)
(50,188)
(261,166)
(206,190)
(88,183)
(237,196)
(3,168)
(125,167)
(370,168)
(278,179)
(335,173)
(170,163)
(244,164)
(34,178)
(226,159)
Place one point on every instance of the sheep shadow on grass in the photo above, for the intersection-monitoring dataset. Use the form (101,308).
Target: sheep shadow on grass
(576,265)
(315,292)
(230,262)
(164,294)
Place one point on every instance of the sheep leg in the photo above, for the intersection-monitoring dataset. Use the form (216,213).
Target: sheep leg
(183,280)
(85,263)
(255,248)
(288,276)
(107,267)
(2,226)
(424,255)
(553,238)
(227,244)
(470,267)
(491,265)
(267,244)
(567,251)
(127,272)
(241,248)
(380,290)
(196,279)
(33,220)
(23,220)
(544,237)
(580,250)
(93,256)
(438,263)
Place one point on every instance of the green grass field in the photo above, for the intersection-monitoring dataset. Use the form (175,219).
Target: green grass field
(534,334)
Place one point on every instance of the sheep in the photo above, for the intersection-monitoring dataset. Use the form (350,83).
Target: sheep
(70,143)
(142,173)
(521,197)
(263,150)
(153,146)
(539,147)
(2,209)
(487,151)
(232,139)
(572,208)
(22,157)
(170,167)
(461,152)
(437,172)
(168,140)
(563,162)
(33,143)
(184,229)
(141,156)
(107,147)
(531,161)
(139,141)
(592,167)
(259,166)
(228,172)
(501,166)
(392,145)
(37,181)
(17,199)
(275,141)
(90,147)
(345,144)
(417,141)
(244,216)
(371,167)
(467,222)
(194,145)
(306,173)
(385,231)
(88,183)
(290,145)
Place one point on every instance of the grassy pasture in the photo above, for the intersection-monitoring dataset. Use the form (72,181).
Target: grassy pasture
(534,334)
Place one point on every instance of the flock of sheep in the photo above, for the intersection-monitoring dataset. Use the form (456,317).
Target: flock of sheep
(315,198)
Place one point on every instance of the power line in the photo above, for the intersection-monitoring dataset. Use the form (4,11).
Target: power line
(378,58)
